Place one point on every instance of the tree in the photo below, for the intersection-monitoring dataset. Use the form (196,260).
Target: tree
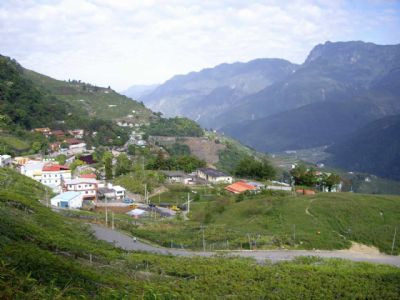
(123,166)
(251,168)
(107,161)
(304,176)
(331,180)
(36,146)
(61,159)
(76,163)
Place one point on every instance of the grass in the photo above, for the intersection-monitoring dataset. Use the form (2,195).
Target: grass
(323,221)
(14,143)
(95,102)
(44,255)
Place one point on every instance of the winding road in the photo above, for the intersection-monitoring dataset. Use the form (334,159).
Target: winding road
(126,242)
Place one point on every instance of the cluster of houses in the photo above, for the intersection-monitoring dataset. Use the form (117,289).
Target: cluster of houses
(69,142)
(73,192)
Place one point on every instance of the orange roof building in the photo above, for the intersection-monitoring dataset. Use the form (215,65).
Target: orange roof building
(240,187)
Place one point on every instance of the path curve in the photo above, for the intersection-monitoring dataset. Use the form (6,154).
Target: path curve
(126,242)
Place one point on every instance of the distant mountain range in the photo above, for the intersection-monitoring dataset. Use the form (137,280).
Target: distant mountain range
(274,105)
(374,148)
(138,91)
(204,95)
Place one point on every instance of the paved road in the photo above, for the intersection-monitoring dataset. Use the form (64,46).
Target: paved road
(126,242)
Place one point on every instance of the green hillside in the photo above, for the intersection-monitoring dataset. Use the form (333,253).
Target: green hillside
(103,103)
(274,220)
(46,256)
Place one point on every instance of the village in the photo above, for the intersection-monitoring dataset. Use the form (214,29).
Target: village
(78,181)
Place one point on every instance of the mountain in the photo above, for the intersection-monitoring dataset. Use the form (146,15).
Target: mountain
(99,102)
(375,149)
(138,91)
(22,103)
(204,95)
(336,82)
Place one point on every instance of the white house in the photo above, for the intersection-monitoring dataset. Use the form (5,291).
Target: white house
(67,200)
(33,169)
(53,175)
(213,175)
(77,148)
(119,192)
(86,186)
(5,160)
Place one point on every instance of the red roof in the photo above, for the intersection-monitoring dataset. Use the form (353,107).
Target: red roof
(88,176)
(73,141)
(240,187)
(57,132)
(54,168)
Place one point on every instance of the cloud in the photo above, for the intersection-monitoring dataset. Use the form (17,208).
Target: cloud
(119,43)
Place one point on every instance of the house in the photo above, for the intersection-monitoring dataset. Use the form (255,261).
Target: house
(213,175)
(58,134)
(67,200)
(119,192)
(5,160)
(55,146)
(86,186)
(53,175)
(75,146)
(279,186)
(174,176)
(77,133)
(32,169)
(45,131)
(240,187)
(106,194)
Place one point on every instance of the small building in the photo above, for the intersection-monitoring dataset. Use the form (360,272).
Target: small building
(119,192)
(58,134)
(5,160)
(240,187)
(32,169)
(45,131)
(174,176)
(67,200)
(214,176)
(106,194)
(53,175)
(77,133)
(86,186)
(279,186)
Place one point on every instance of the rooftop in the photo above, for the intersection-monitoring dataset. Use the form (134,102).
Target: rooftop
(66,196)
(80,181)
(174,173)
(213,172)
(240,187)
(54,168)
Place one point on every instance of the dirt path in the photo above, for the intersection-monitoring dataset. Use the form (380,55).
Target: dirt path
(126,242)
(308,207)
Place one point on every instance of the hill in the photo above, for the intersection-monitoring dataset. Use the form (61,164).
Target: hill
(323,221)
(98,102)
(45,255)
(204,95)
(374,149)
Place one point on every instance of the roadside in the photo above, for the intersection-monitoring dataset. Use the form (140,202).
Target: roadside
(126,242)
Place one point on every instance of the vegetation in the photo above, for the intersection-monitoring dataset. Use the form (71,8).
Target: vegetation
(174,127)
(187,163)
(277,219)
(251,168)
(136,180)
(44,255)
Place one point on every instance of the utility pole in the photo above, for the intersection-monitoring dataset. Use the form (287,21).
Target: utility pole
(106,213)
(145,193)
(112,220)
(248,237)
(294,234)
(394,239)
(46,199)
(188,203)
(204,241)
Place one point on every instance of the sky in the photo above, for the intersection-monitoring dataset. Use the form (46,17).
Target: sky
(120,43)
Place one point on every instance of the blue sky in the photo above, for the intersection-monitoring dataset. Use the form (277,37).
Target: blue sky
(121,43)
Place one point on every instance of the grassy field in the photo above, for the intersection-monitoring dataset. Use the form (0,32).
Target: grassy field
(44,255)
(14,143)
(323,221)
